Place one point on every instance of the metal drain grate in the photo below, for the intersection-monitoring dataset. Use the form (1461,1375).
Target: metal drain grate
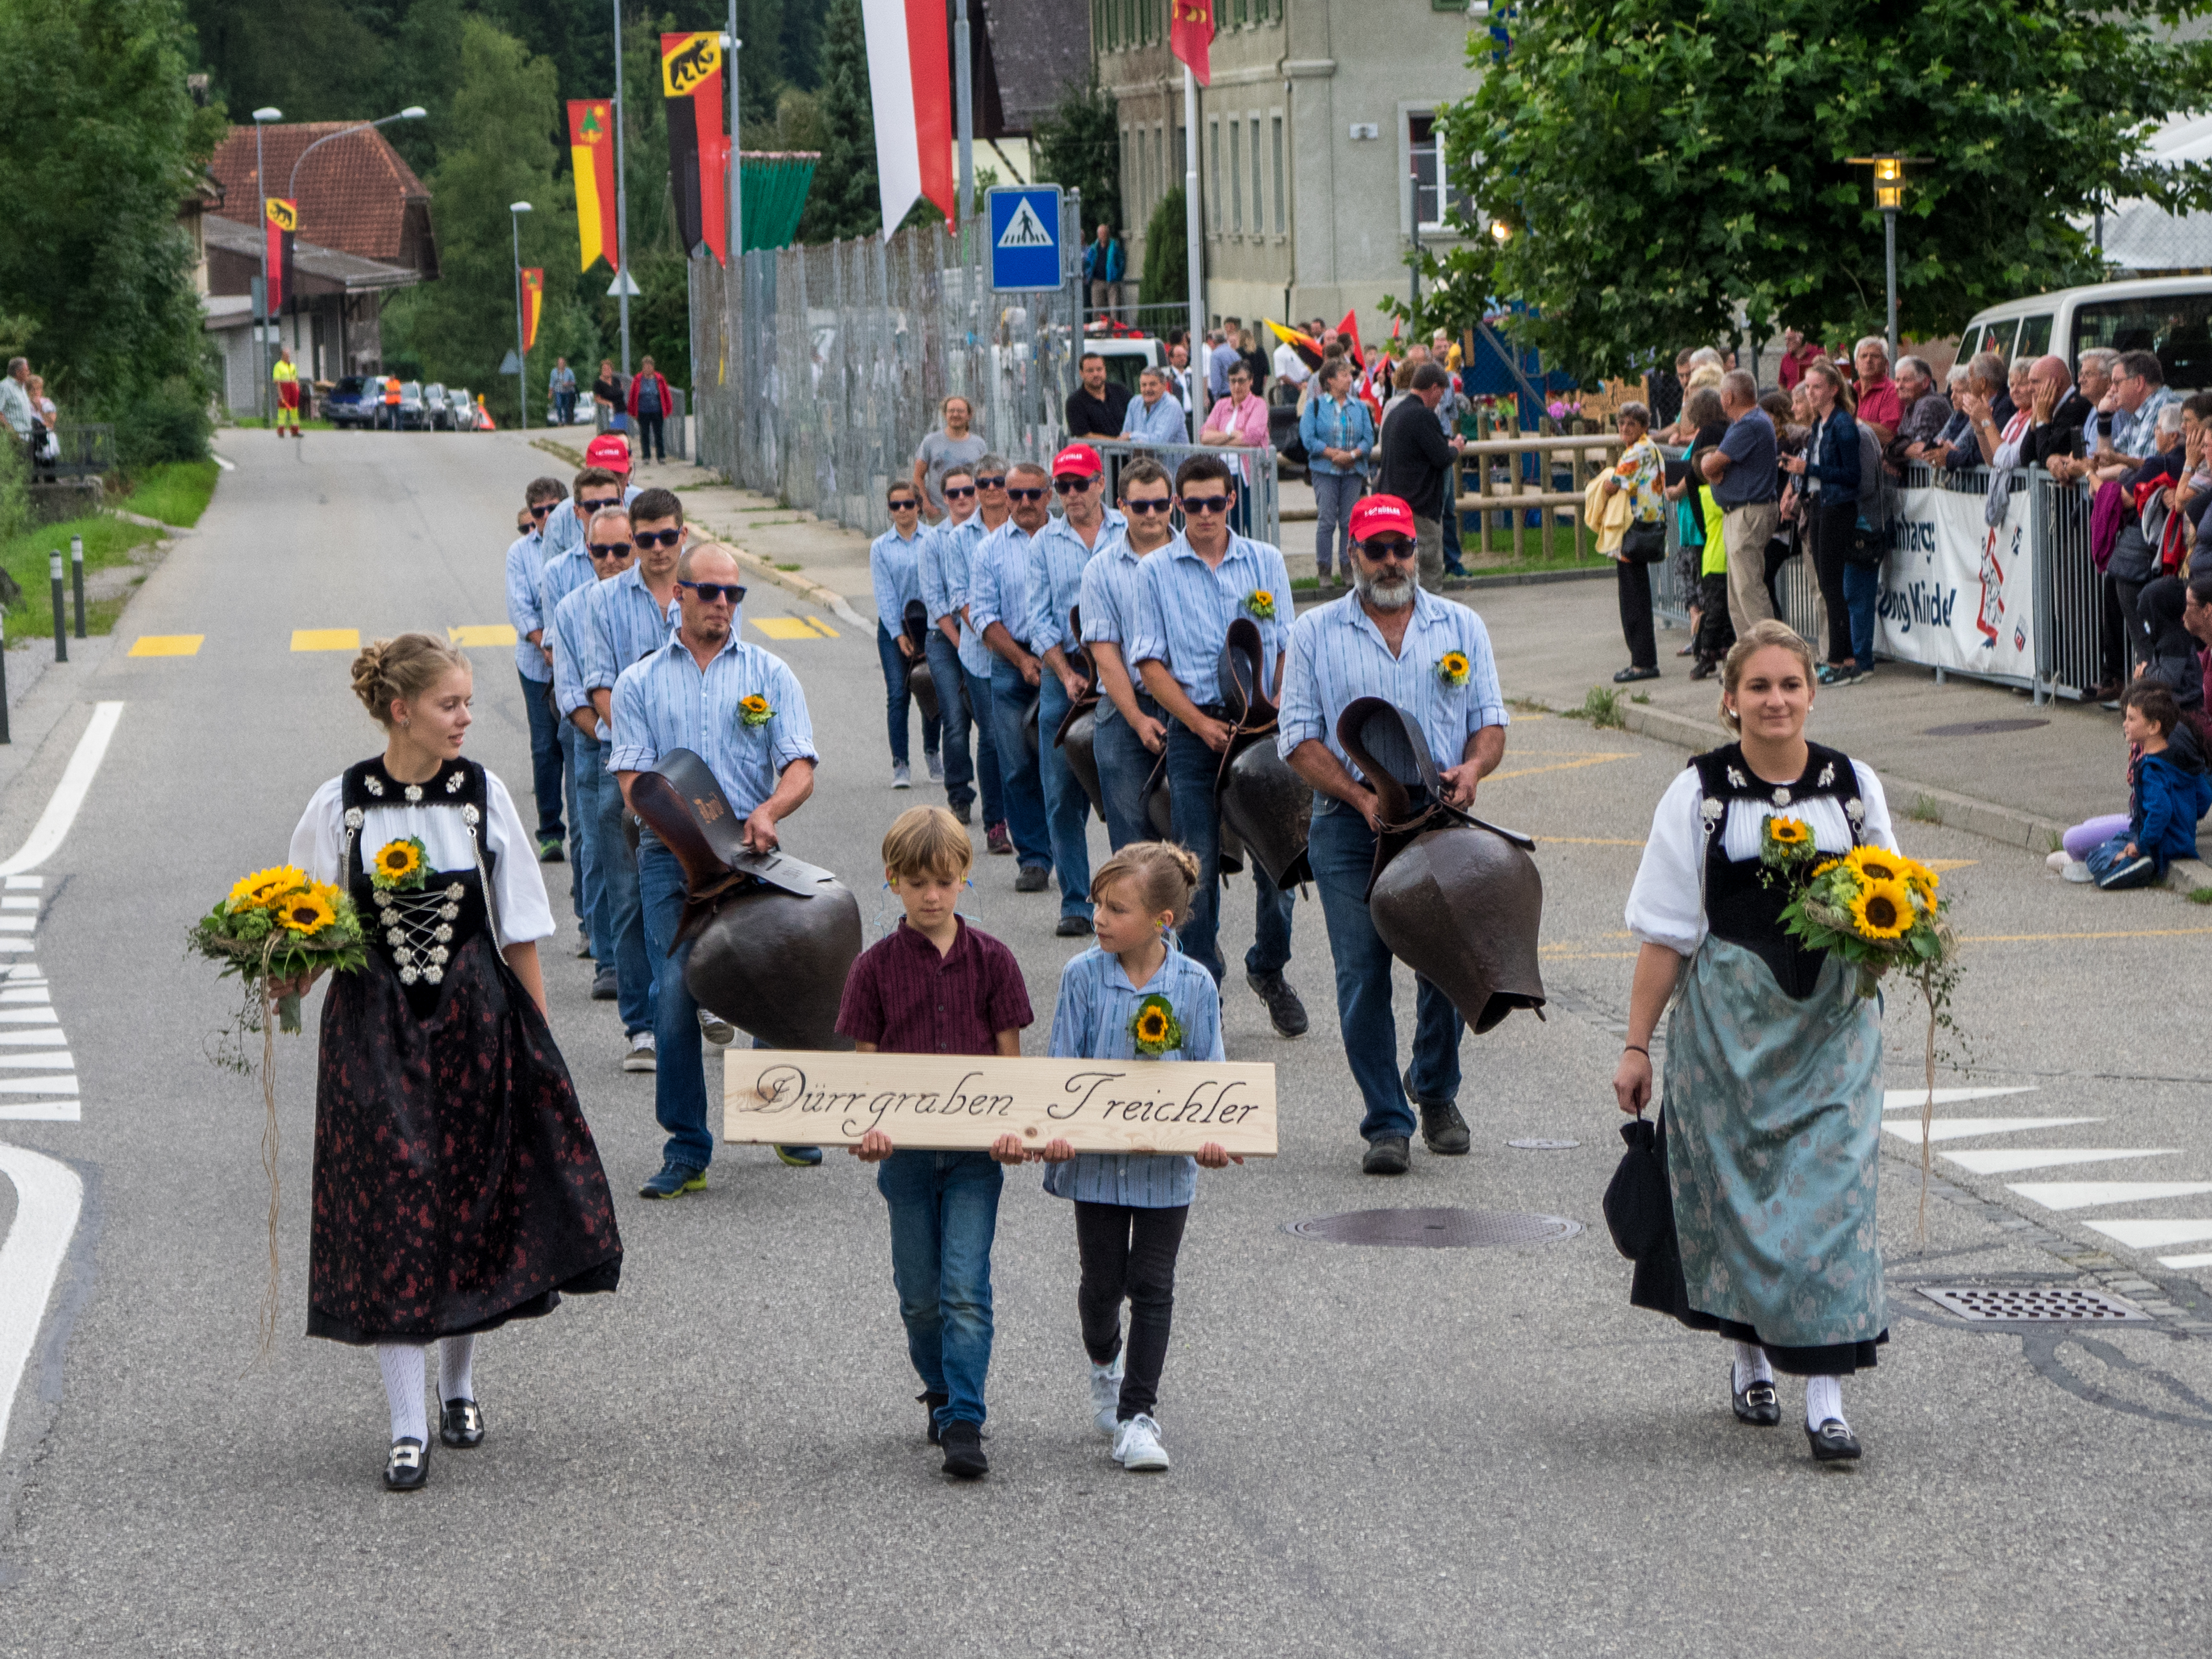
(1534,1144)
(1436,1230)
(2035,1304)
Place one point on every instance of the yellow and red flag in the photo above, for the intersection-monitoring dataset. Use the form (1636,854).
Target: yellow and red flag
(592,156)
(698,149)
(283,221)
(1190,37)
(534,301)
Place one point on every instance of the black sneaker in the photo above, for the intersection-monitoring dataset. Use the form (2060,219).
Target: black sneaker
(1073,926)
(1284,1008)
(1033,878)
(1444,1131)
(963,1450)
(930,1402)
(604,986)
(1388,1155)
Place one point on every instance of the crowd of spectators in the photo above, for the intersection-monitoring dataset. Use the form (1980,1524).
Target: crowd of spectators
(28,413)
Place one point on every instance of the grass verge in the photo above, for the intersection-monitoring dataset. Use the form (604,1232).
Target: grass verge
(1600,707)
(2200,896)
(107,542)
(176,493)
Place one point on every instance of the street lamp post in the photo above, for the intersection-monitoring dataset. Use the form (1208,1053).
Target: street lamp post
(262,117)
(1889,197)
(515,210)
(413,112)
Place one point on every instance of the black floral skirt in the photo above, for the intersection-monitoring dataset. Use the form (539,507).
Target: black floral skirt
(457,1185)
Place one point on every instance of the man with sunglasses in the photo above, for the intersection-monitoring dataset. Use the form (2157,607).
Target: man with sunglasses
(626,621)
(533,662)
(567,569)
(608,546)
(895,574)
(998,604)
(686,694)
(1191,591)
(1387,639)
(1129,733)
(1063,551)
(959,662)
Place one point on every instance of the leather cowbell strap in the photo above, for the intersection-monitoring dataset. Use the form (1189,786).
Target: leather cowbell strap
(1370,723)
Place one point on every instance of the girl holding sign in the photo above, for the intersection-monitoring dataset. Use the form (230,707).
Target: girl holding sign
(1132,996)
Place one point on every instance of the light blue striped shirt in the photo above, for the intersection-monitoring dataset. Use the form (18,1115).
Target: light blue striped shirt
(561,575)
(946,557)
(1162,422)
(1111,593)
(1187,610)
(998,579)
(666,702)
(895,568)
(627,625)
(1060,559)
(526,568)
(1337,653)
(1091,1021)
(563,629)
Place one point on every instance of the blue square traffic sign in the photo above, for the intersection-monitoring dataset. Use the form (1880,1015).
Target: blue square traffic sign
(1024,223)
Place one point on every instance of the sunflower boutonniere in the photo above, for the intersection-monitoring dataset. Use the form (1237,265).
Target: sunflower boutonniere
(1261,604)
(400,866)
(1155,1027)
(755,710)
(1452,669)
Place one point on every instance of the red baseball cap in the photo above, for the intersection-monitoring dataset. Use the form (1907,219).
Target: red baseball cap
(1382,515)
(1079,460)
(609,450)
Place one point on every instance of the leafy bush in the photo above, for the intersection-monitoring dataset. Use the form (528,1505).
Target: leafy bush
(1167,252)
(166,422)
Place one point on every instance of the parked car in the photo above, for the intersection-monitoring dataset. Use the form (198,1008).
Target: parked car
(414,415)
(437,412)
(465,408)
(2169,315)
(354,401)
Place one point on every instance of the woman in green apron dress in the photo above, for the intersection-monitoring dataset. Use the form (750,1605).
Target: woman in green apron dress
(1772,1105)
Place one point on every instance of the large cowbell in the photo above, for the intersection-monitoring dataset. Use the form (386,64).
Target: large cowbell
(1458,901)
(773,939)
(921,683)
(1264,804)
(1077,737)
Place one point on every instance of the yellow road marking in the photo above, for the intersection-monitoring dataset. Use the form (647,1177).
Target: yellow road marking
(823,628)
(2025,939)
(1564,766)
(784,628)
(167,645)
(327,638)
(1939,865)
(482,634)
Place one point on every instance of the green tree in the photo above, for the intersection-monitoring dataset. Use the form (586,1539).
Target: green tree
(1659,164)
(845,200)
(1079,147)
(101,144)
(1167,252)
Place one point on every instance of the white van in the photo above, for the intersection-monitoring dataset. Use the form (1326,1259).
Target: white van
(2169,315)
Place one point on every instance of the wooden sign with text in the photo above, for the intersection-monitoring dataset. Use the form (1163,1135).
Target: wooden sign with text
(794,1097)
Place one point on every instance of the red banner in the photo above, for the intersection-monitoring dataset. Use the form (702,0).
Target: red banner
(1191,36)
(534,301)
(592,158)
(283,219)
(698,149)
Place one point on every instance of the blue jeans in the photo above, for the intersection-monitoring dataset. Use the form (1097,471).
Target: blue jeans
(987,781)
(945,1210)
(954,720)
(1021,784)
(1067,809)
(1191,769)
(544,755)
(589,777)
(618,877)
(1124,766)
(897,699)
(1335,493)
(1342,849)
(1861,590)
(581,894)
(679,1079)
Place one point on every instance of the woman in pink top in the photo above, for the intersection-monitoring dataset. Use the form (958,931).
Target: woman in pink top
(1239,421)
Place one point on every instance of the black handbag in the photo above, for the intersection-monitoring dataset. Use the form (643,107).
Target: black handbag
(1644,543)
(1639,1210)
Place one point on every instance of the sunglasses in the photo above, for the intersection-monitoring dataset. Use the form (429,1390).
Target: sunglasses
(958,492)
(1073,486)
(1207,506)
(711,592)
(1142,504)
(999,482)
(1392,547)
(1026,494)
(599,503)
(904,504)
(540,509)
(658,538)
(608,550)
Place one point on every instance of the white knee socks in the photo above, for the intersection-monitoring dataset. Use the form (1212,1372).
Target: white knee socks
(457,1358)
(1751,1365)
(401,1365)
(1824,1399)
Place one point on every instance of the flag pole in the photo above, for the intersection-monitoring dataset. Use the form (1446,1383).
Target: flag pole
(965,113)
(622,199)
(1192,227)
(734,270)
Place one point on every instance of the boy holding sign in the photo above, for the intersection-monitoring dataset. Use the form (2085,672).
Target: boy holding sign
(936,986)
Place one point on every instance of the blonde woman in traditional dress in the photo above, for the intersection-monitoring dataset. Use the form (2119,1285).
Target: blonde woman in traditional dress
(456,1186)
(1772,1115)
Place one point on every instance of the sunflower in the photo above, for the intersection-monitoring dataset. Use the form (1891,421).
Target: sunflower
(755,710)
(1883,909)
(305,913)
(1874,863)
(1152,1026)
(1823,867)
(266,887)
(1920,879)
(396,860)
(1452,668)
(1788,832)
(1261,604)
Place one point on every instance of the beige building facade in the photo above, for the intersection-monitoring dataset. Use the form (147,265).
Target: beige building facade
(1318,149)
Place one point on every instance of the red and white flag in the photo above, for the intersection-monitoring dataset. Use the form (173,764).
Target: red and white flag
(1190,37)
(910,86)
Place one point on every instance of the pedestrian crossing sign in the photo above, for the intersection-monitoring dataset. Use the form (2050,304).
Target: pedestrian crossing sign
(1026,250)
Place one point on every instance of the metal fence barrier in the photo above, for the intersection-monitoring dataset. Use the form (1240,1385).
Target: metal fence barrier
(1259,512)
(674,429)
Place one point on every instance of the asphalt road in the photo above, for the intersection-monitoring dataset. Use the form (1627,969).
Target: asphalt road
(1376,1451)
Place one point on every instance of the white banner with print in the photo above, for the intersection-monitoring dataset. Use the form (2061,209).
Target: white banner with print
(1957,594)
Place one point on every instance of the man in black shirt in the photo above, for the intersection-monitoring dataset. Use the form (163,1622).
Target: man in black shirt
(1417,457)
(1094,408)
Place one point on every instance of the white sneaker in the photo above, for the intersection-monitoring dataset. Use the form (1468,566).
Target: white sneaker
(901,777)
(936,764)
(2077,870)
(1137,1445)
(716,1030)
(1106,1395)
(2059,861)
(641,1055)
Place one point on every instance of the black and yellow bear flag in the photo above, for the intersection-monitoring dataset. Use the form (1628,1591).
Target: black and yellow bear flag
(698,149)
(283,219)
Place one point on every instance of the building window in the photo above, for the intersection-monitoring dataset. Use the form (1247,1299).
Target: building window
(1259,215)
(1279,191)
(1235,175)
(1433,195)
(1214,134)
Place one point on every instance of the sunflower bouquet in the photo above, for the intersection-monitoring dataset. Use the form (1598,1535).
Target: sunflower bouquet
(278,925)
(1154,1027)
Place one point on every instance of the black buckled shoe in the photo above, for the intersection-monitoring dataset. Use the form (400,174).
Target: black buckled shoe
(460,1423)
(1285,1010)
(1833,1441)
(408,1467)
(1444,1131)
(1758,1405)
(1387,1155)
(963,1450)
(930,1402)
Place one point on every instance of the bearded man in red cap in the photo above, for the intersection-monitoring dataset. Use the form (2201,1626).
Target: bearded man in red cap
(1431,657)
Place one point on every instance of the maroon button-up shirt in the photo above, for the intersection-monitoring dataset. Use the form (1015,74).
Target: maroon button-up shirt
(907,999)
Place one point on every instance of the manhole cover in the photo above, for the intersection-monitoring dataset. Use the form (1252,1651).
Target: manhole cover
(1534,1145)
(2040,1305)
(1436,1230)
(1982,728)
